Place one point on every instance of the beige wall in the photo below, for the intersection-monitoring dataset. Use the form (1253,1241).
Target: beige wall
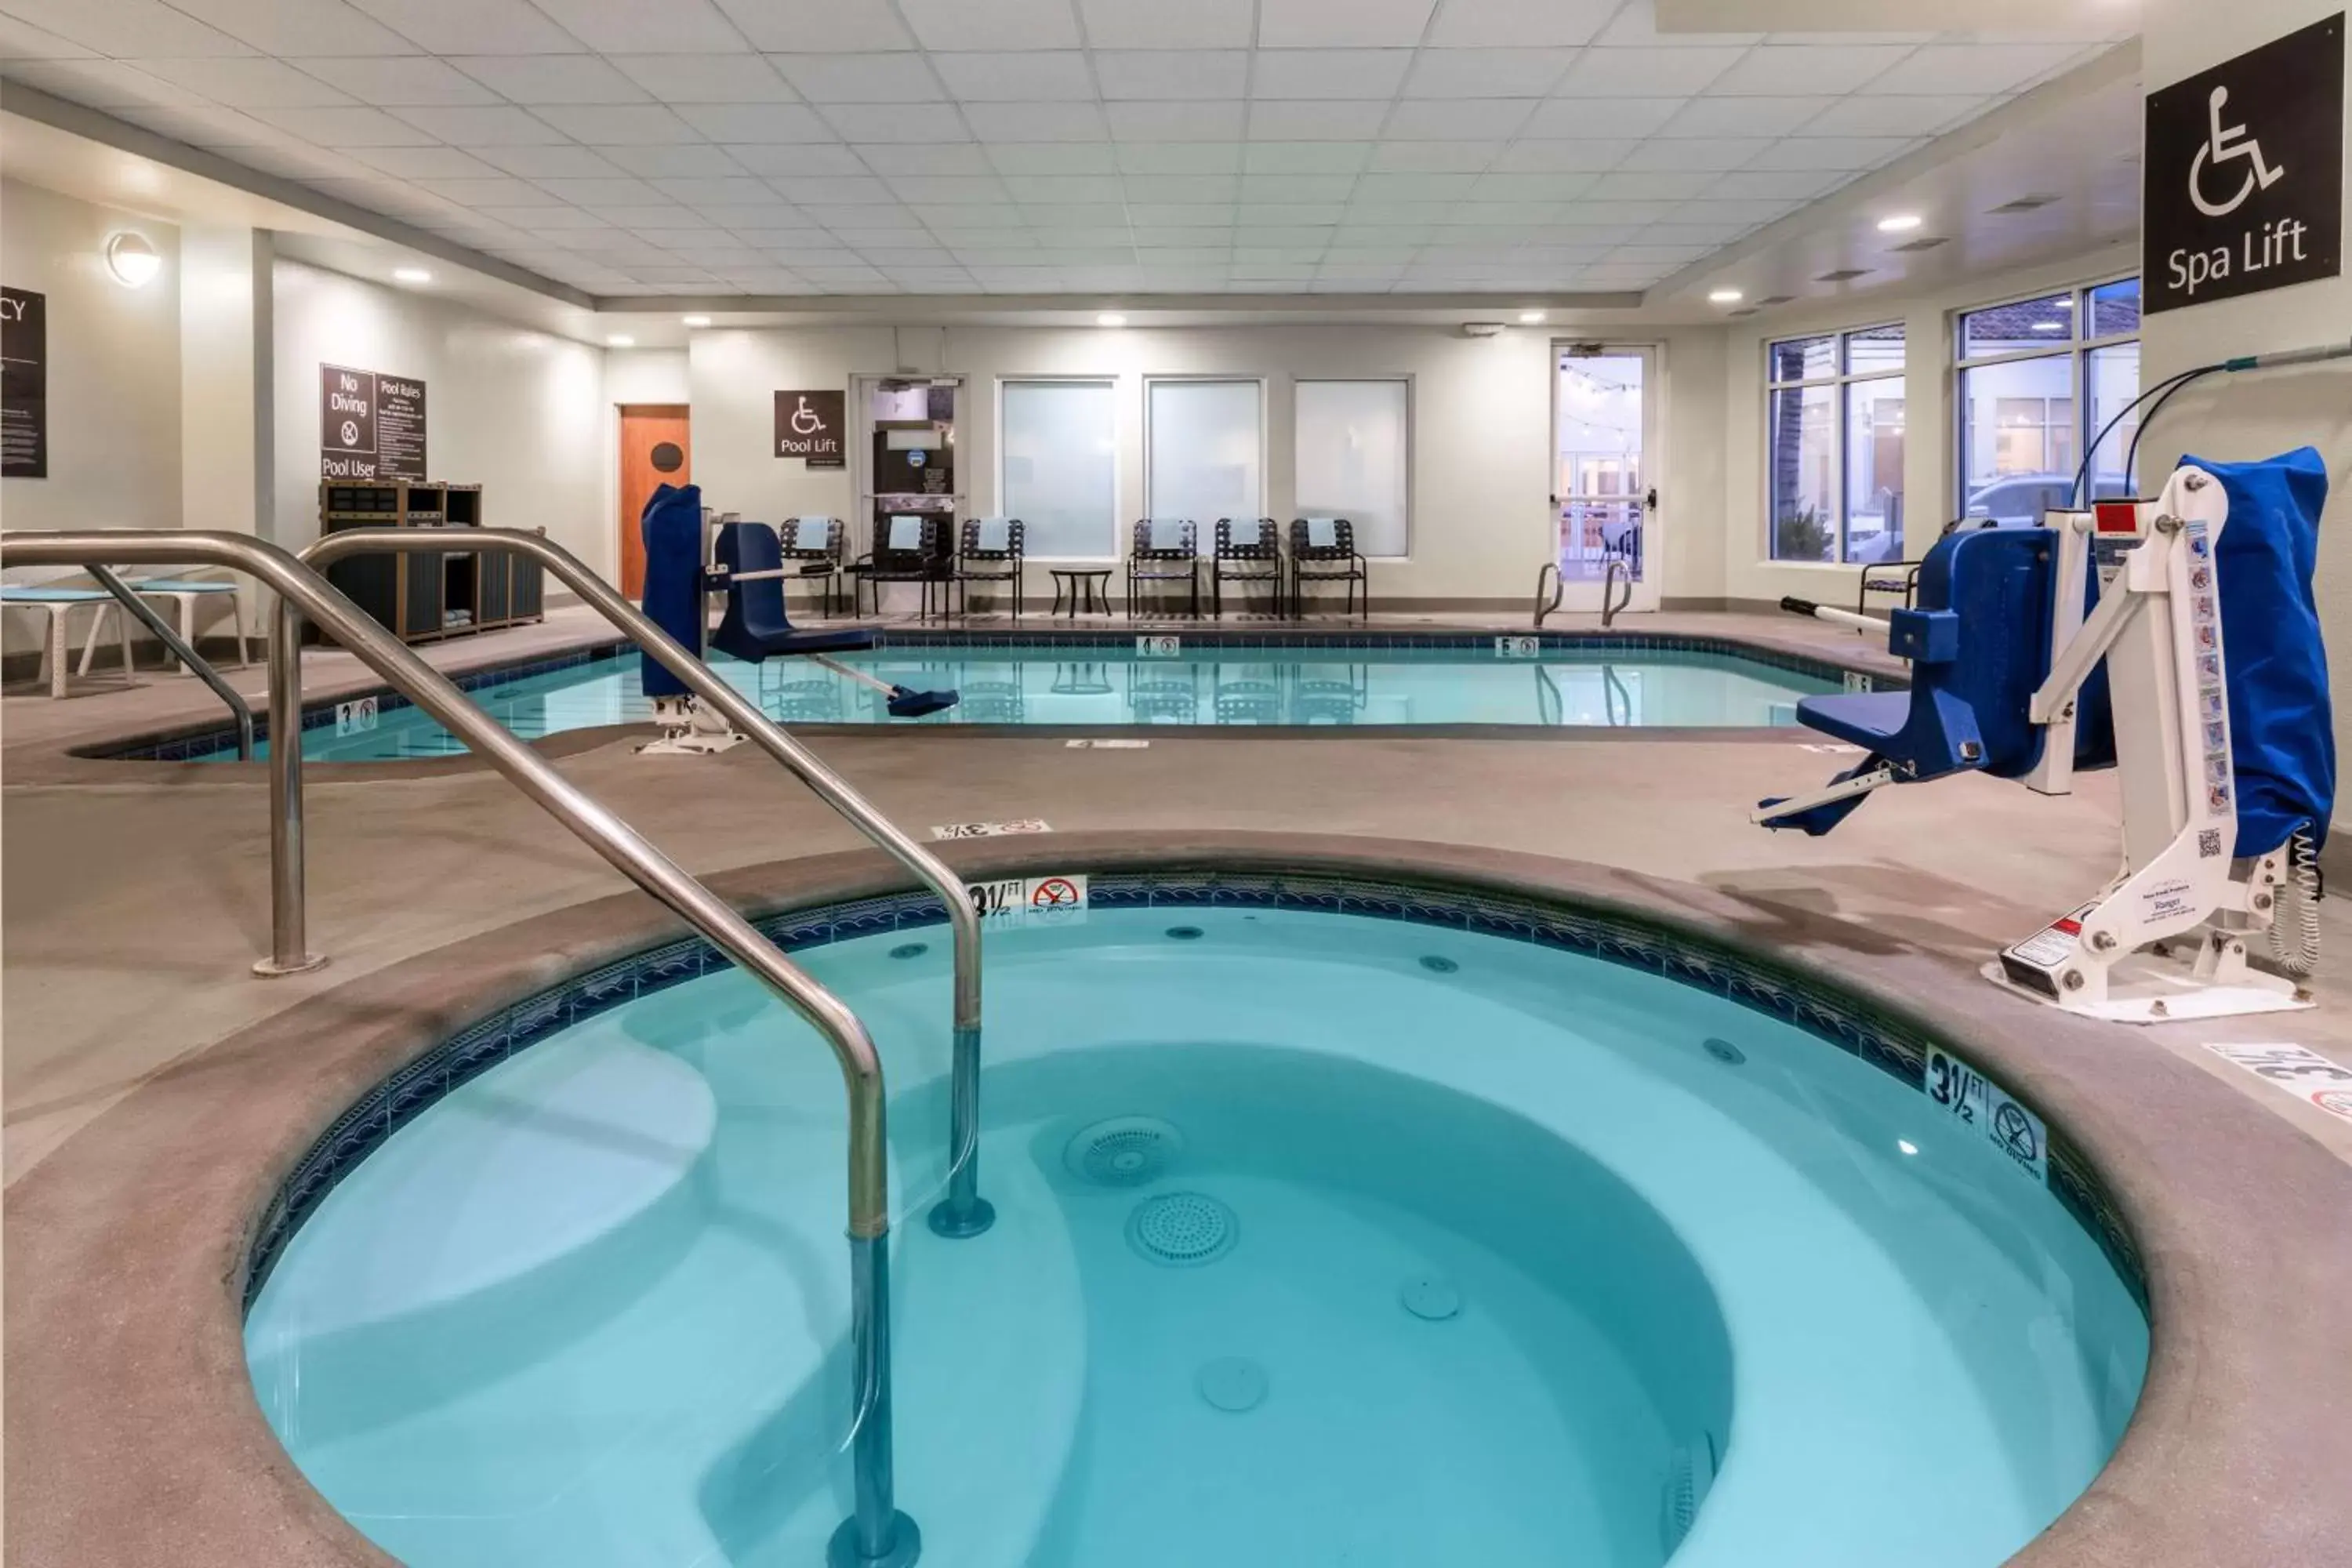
(1481,413)
(519,412)
(114,366)
(2262,413)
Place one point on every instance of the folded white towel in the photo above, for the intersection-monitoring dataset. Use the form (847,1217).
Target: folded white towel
(995,534)
(906,532)
(1322,533)
(1246,532)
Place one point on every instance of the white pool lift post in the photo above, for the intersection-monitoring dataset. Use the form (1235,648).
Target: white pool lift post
(2166,937)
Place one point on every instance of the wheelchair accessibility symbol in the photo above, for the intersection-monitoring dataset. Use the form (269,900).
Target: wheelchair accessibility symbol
(806,421)
(2230,145)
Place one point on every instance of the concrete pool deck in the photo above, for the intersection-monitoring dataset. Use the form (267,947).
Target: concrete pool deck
(137,895)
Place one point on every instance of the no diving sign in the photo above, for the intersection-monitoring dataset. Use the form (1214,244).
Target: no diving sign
(1060,896)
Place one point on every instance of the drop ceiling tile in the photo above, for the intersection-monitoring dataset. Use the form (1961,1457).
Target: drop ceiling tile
(1150,189)
(1331,119)
(1296,188)
(1171,73)
(656,224)
(991,23)
(1712,211)
(425,163)
(1036,121)
(796,158)
(1184,255)
(1512,24)
(818,27)
(1645,73)
(619,124)
(756,122)
(1774,185)
(22,41)
(1320,24)
(1183,157)
(348,127)
(706,78)
(897,122)
(1570,119)
(1547,156)
(623,191)
(1487,73)
(398,80)
(1305,157)
(1553,187)
(1434,157)
(534,80)
(1746,117)
(475,26)
(1051,157)
(1596,214)
(734,191)
(1395,237)
(1027,188)
(1973,67)
(123,29)
(859,79)
(103,84)
(1270,272)
(903,253)
(1715,153)
(549,220)
(564,162)
(497,191)
(1792,71)
(1710,233)
(1251,216)
(1389,214)
(1186,237)
(245,82)
(1179,215)
(632,26)
(462,126)
(948,190)
(926,158)
(1218,121)
(1035,76)
(1408,188)
(1329,73)
(696,159)
(1156,25)
(1834,152)
(1469,118)
(1893,116)
(832,192)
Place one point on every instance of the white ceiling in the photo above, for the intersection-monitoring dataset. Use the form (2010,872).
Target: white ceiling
(943,147)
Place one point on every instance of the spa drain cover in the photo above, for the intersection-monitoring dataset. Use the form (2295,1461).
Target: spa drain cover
(1124,1151)
(1181,1229)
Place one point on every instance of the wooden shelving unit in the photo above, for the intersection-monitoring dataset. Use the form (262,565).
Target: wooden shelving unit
(432,593)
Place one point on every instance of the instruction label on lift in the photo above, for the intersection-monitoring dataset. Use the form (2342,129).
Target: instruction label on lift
(1519,647)
(1159,647)
(1030,898)
(1976,1104)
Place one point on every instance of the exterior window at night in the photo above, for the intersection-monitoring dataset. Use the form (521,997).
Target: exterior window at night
(2038,380)
(1833,410)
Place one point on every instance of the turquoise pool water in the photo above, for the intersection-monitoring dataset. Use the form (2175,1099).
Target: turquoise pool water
(1322,1239)
(1094,686)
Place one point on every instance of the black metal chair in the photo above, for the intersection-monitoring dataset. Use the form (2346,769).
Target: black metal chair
(990,551)
(1333,560)
(1164,550)
(813,544)
(1249,549)
(911,548)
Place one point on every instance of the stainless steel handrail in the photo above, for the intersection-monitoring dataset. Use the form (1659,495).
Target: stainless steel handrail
(1608,576)
(876,1533)
(179,647)
(1559,591)
(963,1211)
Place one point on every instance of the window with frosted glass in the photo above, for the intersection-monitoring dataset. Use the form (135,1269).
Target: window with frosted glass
(1206,451)
(1058,442)
(1351,444)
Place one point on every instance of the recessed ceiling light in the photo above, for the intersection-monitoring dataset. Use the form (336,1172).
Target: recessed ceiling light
(133,261)
(1725,297)
(411,275)
(1530,317)
(697,320)
(1110,319)
(621,341)
(1901,222)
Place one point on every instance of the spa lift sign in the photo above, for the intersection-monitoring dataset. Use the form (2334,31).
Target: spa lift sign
(2244,174)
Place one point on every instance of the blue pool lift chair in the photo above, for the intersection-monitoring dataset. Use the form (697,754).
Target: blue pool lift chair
(755,628)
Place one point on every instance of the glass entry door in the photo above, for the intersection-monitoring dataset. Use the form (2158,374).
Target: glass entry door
(1604,500)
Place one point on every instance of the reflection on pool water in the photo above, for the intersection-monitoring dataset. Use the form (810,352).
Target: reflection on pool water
(1321,1239)
(1096,685)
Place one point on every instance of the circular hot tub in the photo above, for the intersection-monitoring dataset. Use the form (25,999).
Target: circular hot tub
(1335,1225)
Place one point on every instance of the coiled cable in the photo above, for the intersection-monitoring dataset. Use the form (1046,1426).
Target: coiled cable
(2300,955)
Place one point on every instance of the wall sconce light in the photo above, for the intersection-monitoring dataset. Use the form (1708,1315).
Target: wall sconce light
(133,260)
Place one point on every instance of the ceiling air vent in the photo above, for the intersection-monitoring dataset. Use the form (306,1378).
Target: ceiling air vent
(2022,205)
(1744,310)
(1928,243)
(1769,301)
(1843,275)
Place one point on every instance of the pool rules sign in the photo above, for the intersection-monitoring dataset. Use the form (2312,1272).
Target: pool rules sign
(2244,174)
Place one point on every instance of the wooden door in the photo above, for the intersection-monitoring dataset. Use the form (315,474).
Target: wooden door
(655,450)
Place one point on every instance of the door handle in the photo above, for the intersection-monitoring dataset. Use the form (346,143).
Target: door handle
(1650,501)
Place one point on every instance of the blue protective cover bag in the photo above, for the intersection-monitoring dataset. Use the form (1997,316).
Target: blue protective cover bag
(671,527)
(2282,723)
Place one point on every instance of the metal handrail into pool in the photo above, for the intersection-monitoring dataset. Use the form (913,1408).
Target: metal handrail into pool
(876,1533)
(963,1211)
(182,649)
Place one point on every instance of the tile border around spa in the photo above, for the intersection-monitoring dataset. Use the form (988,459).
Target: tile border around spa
(1891,1044)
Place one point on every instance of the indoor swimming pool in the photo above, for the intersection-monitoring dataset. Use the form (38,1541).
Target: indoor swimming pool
(1432,1239)
(1646,682)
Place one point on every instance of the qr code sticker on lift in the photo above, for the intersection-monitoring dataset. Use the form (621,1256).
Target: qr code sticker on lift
(2209,844)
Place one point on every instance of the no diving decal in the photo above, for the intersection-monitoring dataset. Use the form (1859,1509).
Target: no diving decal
(1975,1102)
(2243,173)
(1030,898)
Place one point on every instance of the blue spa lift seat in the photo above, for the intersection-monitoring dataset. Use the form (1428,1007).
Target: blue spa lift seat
(1979,643)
